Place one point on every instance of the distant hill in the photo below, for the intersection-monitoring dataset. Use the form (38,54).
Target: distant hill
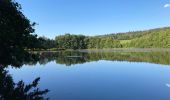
(154,38)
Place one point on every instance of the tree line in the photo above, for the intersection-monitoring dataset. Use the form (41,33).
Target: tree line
(154,38)
(17,37)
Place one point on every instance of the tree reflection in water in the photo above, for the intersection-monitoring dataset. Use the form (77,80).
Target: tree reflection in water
(15,38)
(20,91)
(9,90)
(69,58)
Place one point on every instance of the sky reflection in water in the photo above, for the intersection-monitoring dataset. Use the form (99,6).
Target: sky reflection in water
(95,79)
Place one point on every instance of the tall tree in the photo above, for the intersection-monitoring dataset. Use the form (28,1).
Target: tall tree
(15,30)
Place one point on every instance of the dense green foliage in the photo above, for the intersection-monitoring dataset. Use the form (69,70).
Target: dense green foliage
(158,38)
(155,38)
(15,32)
(68,41)
(102,42)
(16,29)
(15,37)
(45,43)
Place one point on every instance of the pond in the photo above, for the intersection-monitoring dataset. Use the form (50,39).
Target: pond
(97,75)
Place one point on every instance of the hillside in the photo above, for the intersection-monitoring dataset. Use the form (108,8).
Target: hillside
(154,38)
(158,38)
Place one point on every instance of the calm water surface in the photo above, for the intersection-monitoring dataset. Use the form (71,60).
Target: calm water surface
(100,76)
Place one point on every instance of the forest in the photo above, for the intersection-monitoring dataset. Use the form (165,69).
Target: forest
(153,38)
(18,38)
(18,34)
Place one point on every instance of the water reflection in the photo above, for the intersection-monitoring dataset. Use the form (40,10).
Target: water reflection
(69,58)
(20,91)
(90,80)
(9,90)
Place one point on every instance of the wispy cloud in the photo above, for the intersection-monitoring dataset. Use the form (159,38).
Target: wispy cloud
(166,5)
(168,85)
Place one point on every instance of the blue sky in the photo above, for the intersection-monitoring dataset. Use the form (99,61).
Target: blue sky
(95,17)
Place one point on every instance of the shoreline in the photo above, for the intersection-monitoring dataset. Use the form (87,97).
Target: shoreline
(109,50)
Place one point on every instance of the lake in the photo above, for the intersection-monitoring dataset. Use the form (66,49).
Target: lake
(98,75)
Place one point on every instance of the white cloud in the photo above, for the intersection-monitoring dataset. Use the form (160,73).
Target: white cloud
(168,85)
(166,5)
